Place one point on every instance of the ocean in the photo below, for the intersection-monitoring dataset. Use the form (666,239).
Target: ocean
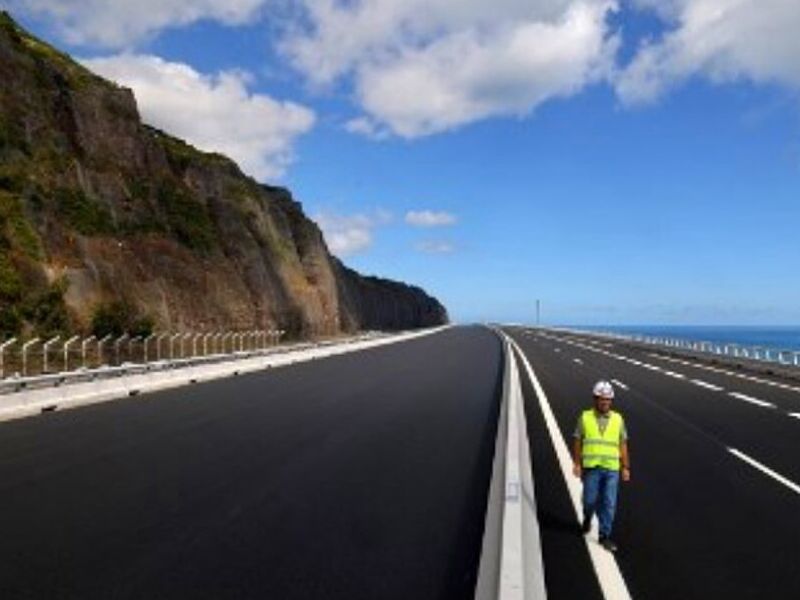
(778,337)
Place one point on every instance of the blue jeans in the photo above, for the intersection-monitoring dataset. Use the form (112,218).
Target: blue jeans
(600,497)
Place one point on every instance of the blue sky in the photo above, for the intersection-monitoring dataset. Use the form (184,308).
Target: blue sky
(620,162)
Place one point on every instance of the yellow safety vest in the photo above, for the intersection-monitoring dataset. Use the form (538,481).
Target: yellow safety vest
(601,450)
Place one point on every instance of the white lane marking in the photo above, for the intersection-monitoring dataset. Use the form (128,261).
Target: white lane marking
(708,386)
(782,386)
(751,400)
(795,415)
(618,383)
(675,375)
(557,350)
(577,361)
(651,367)
(521,566)
(766,470)
(605,565)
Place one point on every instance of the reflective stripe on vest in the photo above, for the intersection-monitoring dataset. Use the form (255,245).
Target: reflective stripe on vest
(601,449)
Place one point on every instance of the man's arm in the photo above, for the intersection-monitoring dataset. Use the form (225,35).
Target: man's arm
(577,447)
(625,461)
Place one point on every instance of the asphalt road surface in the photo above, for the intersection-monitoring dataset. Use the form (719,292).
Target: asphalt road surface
(713,508)
(358,476)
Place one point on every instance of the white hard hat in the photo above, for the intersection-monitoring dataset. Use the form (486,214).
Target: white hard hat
(603,389)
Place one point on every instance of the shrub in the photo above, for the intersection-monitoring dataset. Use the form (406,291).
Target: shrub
(188,219)
(84,215)
(117,318)
(47,311)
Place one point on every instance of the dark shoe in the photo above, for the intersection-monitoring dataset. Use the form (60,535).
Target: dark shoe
(606,543)
(586,526)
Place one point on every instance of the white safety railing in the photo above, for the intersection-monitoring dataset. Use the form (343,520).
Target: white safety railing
(780,356)
(23,366)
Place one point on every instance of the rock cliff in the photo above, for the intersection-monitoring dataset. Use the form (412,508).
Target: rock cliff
(106,220)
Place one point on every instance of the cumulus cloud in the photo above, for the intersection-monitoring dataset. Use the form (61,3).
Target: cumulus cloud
(216,113)
(367,127)
(421,67)
(346,235)
(723,40)
(122,23)
(429,218)
(435,247)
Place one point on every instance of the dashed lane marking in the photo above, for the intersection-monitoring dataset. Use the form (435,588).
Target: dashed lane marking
(619,384)
(782,386)
(795,415)
(577,361)
(675,375)
(766,470)
(751,400)
(708,386)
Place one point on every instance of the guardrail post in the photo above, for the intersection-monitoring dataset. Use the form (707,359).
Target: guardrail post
(117,344)
(100,344)
(3,346)
(172,345)
(131,342)
(25,347)
(46,351)
(84,349)
(67,344)
(145,343)
(225,341)
(163,336)
(185,337)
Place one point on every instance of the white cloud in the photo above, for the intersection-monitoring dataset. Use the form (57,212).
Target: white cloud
(216,113)
(346,235)
(367,127)
(724,40)
(435,247)
(422,67)
(122,23)
(429,218)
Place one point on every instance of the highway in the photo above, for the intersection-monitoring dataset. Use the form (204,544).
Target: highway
(365,475)
(697,520)
(358,476)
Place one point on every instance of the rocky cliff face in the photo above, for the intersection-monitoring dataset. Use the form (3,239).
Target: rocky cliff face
(103,217)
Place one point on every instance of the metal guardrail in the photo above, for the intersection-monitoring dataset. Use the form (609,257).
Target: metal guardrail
(784,357)
(14,384)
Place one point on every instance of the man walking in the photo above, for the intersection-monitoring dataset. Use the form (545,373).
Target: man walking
(600,457)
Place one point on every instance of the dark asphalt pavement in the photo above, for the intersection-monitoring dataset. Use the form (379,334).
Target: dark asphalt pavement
(695,522)
(358,476)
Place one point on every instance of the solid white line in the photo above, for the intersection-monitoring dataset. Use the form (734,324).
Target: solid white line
(618,383)
(751,400)
(766,470)
(708,386)
(605,565)
(521,567)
